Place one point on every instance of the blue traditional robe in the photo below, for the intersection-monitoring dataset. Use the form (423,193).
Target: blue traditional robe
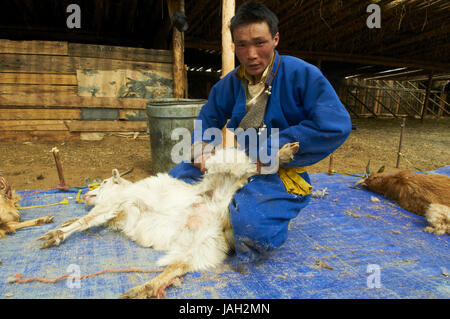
(305,108)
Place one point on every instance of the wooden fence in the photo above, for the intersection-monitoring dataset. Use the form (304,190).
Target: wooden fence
(373,98)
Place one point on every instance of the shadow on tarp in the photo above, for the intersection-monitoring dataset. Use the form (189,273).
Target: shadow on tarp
(341,246)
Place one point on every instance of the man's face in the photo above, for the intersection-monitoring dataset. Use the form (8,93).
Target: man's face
(254,46)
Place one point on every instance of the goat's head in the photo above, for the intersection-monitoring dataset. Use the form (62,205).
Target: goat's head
(371,180)
(376,181)
(107,188)
(8,199)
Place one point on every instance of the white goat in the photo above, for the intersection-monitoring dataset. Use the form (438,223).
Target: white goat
(190,222)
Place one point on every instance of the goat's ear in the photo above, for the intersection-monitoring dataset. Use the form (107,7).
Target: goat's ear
(381,169)
(116,175)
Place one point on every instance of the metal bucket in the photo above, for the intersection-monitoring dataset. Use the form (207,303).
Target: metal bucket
(165,115)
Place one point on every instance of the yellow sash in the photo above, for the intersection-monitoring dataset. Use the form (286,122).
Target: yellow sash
(294,183)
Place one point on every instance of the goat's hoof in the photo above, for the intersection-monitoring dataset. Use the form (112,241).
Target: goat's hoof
(140,292)
(287,152)
(44,220)
(436,231)
(294,147)
(52,238)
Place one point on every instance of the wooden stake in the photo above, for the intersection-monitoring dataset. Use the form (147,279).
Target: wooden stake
(330,165)
(400,143)
(228,7)
(62,182)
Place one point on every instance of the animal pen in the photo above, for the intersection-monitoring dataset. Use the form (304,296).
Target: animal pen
(59,84)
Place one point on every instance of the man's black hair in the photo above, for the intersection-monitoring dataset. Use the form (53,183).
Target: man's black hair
(251,12)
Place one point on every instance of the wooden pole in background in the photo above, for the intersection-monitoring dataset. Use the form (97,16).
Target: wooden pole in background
(399,154)
(57,158)
(427,95)
(179,80)
(228,7)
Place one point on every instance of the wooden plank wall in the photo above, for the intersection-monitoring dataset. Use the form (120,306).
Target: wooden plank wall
(58,90)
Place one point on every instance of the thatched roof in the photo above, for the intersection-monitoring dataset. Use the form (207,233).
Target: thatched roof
(414,34)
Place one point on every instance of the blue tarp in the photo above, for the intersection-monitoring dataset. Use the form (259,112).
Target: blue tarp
(341,246)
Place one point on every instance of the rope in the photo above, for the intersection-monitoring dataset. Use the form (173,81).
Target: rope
(63,202)
(355,175)
(18,276)
(37,192)
(77,199)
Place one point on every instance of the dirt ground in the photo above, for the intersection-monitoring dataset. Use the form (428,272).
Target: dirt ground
(31,166)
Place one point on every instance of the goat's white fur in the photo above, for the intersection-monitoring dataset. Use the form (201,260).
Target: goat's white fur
(190,222)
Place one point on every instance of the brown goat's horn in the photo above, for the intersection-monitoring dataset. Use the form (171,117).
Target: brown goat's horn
(127,172)
(368,168)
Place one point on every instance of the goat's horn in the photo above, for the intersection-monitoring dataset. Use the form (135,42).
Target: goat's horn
(381,170)
(127,172)
(358,183)
(368,168)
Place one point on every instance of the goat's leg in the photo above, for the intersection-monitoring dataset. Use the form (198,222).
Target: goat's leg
(97,216)
(156,286)
(30,223)
(69,222)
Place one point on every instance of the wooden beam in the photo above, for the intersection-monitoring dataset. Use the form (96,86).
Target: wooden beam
(32,125)
(119,53)
(69,101)
(27,63)
(228,8)
(107,126)
(33,47)
(40,136)
(37,78)
(39,114)
(178,58)
(25,89)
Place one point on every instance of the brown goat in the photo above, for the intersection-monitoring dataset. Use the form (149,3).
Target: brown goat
(425,195)
(10,216)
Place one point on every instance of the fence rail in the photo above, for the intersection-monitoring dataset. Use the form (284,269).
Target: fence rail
(374,98)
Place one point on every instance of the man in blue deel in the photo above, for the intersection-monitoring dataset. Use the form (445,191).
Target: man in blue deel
(289,101)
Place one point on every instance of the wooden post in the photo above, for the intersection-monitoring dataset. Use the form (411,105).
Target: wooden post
(400,143)
(330,165)
(443,100)
(427,95)
(179,80)
(228,7)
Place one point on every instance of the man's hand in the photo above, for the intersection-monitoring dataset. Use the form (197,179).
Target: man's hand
(199,162)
